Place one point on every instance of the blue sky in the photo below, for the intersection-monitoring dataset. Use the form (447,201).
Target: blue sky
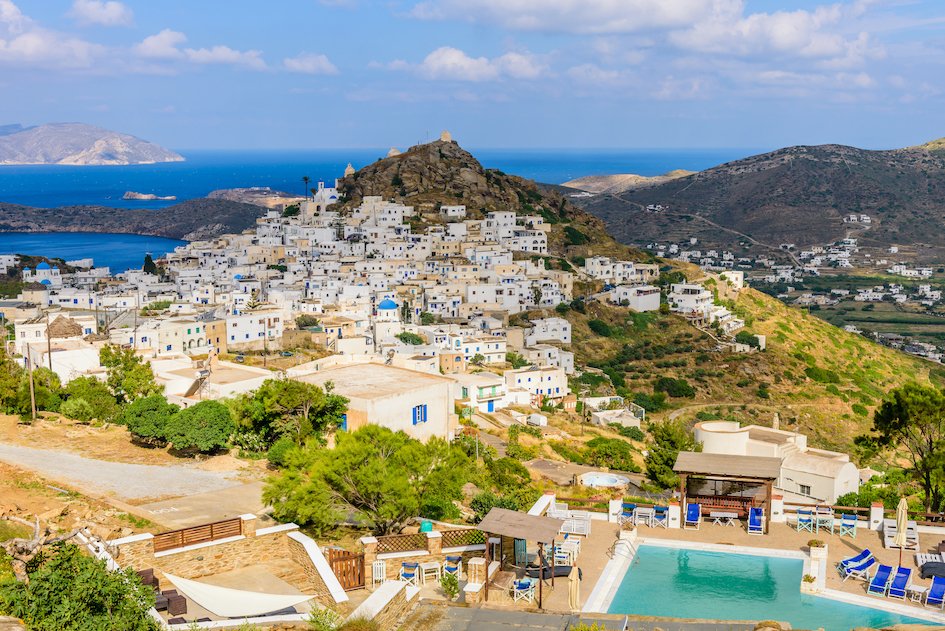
(498,73)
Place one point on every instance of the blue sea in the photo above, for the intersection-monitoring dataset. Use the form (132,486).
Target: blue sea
(204,171)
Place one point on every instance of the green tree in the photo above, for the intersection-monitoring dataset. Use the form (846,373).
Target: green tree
(478,359)
(204,427)
(667,440)
(744,337)
(147,418)
(426,319)
(149,267)
(484,502)
(96,394)
(912,420)
(11,374)
(71,591)
(674,387)
(410,338)
(306,320)
(285,407)
(305,180)
(379,474)
(128,376)
(46,387)
(516,360)
(600,328)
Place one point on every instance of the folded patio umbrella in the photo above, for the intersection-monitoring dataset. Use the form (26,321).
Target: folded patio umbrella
(234,603)
(902,526)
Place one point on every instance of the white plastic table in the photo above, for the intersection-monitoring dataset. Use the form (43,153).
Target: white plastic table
(917,592)
(723,518)
(430,567)
(643,515)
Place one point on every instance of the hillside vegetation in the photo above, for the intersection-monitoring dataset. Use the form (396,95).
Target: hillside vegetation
(821,380)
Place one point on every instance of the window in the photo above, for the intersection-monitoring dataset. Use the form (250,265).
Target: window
(419,414)
(804,489)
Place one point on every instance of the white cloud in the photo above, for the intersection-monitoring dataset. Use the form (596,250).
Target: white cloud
(226,55)
(578,16)
(163,45)
(310,63)
(452,63)
(25,43)
(101,12)
(448,63)
(592,73)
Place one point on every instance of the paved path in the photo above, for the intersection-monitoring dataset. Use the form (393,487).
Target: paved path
(125,481)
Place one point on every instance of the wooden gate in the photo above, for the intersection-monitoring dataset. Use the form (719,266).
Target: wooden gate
(348,568)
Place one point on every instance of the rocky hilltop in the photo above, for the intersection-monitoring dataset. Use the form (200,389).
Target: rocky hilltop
(191,220)
(795,195)
(77,144)
(442,173)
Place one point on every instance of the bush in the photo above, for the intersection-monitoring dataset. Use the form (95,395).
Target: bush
(860,409)
(78,410)
(306,320)
(633,433)
(323,620)
(410,338)
(674,387)
(278,453)
(147,418)
(822,375)
(650,402)
(744,337)
(205,427)
(97,395)
(486,501)
(450,584)
(575,236)
(600,328)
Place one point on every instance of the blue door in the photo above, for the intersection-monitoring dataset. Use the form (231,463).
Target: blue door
(490,406)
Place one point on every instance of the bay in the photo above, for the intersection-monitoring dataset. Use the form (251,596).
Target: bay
(51,186)
(119,252)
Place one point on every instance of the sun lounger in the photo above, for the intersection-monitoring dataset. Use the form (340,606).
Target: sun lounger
(856,560)
(897,588)
(860,571)
(936,594)
(922,558)
(756,521)
(693,516)
(880,581)
(559,571)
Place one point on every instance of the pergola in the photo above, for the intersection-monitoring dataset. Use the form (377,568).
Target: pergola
(516,525)
(726,482)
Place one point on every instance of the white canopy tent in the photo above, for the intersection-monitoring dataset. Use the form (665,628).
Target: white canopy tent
(234,603)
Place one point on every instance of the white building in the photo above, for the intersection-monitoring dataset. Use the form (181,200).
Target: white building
(807,474)
(542,383)
(639,298)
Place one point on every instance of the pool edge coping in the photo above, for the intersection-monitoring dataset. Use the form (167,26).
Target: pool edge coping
(605,589)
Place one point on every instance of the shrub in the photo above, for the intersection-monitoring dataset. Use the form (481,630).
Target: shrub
(410,338)
(633,433)
(450,584)
(486,501)
(78,410)
(306,320)
(323,620)
(674,387)
(96,394)
(147,418)
(650,402)
(575,236)
(600,328)
(278,453)
(821,375)
(744,337)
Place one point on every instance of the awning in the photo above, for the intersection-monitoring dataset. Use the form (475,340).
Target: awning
(234,603)
(728,466)
(516,525)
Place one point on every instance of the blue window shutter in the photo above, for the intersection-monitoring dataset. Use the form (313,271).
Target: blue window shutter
(414,420)
(424,408)
(344,422)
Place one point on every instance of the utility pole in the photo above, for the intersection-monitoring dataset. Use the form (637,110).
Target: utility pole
(48,343)
(29,365)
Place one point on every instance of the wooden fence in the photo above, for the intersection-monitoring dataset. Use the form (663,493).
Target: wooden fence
(198,534)
(464,537)
(402,543)
(348,567)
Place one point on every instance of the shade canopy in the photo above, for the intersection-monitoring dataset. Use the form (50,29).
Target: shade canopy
(728,466)
(234,603)
(510,523)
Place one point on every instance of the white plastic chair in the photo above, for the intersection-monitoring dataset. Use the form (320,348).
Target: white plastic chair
(378,572)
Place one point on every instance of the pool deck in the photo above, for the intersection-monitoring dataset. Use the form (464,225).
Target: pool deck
(783,538)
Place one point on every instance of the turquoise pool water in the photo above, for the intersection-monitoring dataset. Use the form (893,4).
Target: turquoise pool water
(693,584)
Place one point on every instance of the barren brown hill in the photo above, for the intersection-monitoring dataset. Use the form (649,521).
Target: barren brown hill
(796,195)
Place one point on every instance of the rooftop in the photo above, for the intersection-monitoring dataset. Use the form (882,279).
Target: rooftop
(372,381)
(728,466)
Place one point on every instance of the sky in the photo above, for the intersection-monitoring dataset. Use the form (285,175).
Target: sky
(302,74)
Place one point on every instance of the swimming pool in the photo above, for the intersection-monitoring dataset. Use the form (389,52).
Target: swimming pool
(604,480)
(681,583)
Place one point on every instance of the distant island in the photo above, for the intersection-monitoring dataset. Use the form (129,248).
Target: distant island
(143,197)
(77,144)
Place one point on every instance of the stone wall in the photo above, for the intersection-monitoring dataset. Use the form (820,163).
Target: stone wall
(433,552)
(388,617)
(316,585)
